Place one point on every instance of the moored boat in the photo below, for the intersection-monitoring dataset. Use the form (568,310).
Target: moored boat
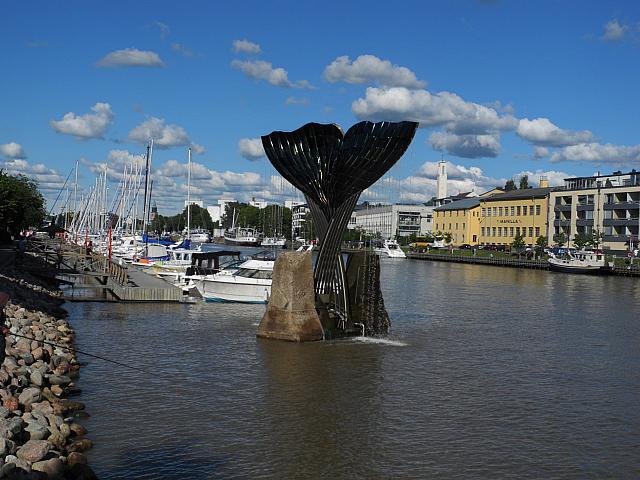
(582,261)
(391,249)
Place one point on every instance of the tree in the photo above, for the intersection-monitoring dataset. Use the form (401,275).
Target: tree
(596,239)
(524,182)
(518,244)
(21,204)
(510,185)
(581,240)
(560,239)
(447,238)
(541,244)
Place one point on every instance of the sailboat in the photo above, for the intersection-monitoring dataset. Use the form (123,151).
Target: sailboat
(241,236)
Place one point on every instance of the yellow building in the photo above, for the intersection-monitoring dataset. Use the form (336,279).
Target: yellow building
(460,219)
(518,212)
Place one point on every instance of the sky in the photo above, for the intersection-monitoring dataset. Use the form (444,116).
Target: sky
(500,89)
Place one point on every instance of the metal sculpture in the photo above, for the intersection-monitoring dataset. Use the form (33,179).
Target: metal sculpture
(332,169)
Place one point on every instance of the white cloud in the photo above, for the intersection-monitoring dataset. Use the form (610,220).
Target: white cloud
(371,69)
(12,150)
(599,153)
(164,135)
(440,109)
(614,31)
(297,101)
(540,152)
(555,177)
(47,178)
(163,28)
(251,148)
(90,125)
(261,70)
(199,149)
(542,132)
(467,146)
(130,57)
(246,46)
(182,50)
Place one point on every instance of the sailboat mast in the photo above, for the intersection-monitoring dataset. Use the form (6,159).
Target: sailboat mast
(146,189)
(189,196)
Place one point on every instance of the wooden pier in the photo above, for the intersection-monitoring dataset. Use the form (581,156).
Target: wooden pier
(94,277)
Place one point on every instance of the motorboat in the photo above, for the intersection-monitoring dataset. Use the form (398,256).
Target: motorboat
(250,283)
(199,236)
(242,237)
(582,261)
(274,242)
(390,248)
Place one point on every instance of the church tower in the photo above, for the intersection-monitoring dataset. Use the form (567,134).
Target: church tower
(442,179)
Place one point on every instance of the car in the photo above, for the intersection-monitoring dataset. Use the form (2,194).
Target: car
(465,246)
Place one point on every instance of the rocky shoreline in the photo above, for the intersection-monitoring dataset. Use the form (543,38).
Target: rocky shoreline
(40,436)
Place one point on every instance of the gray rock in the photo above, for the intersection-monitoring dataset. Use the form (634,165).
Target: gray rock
(7,447)
(37,431)
(34,450)
(30,395)
(4,412)
(10,427)
(37,378)
(53,467)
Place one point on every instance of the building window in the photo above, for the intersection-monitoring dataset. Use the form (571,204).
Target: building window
(531,231)
(463,226)
(511,230)
(537,231)
(495,211)
(500,211)
(449,226)
(494,232)
(513,211)
(537,209)
(499,231)
(517,231)
(524,210)
(488,212)
(531,210)
(482,228)
(456,226)
(518,210)
(484,212)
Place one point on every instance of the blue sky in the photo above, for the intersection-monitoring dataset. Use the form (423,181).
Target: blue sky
(500,88)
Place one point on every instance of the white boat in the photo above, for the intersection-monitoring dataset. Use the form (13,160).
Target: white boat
(199,236)
(242,236)
(274,242)
(175,268)
(250,283)
(582,261)
(391,249)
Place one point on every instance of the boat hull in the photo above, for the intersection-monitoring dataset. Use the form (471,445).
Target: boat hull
(232,289)
(241,243)
(577,269)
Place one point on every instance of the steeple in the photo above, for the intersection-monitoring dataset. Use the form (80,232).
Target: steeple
(442,179)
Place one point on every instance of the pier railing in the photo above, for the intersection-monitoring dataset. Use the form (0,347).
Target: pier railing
(498,261)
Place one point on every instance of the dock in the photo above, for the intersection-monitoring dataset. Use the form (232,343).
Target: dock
(96,278)
(618,270)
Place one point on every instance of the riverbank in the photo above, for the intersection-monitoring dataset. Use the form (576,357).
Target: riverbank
(503,260)
(40,436)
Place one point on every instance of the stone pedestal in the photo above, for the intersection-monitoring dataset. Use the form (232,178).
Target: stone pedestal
(291,312)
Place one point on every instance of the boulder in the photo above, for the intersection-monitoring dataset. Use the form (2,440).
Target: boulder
(9,427)
(59,380)
(79,445)
(10,403)
(37,431)
(7,447)
(36,378)
(76,457)
(77,429)
(29,396)
(54,468)
(34,450)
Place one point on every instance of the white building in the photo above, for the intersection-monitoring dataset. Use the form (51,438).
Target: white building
(292,203)
(298,221)
(392,220)
(258,203)
(217,211)
(199,203)
(442,180)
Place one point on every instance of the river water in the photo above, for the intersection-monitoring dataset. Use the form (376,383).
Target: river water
(489,372)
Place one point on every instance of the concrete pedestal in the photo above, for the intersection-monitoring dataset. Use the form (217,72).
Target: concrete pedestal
(291,312)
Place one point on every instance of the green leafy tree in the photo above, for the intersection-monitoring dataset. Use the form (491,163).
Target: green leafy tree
(510,185)
(21,204)
(447,238)
(524,182)
(541,244)
(596,239)
(560,239)
(581,240)
(518,244)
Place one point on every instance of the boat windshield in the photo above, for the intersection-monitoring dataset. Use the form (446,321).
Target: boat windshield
(251,273)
